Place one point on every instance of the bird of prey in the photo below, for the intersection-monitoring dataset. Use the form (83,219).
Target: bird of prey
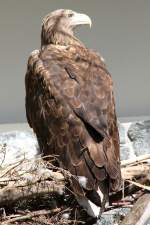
(70,106)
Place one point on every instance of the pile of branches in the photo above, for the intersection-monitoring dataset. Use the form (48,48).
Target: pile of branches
(37,192)
(34,191)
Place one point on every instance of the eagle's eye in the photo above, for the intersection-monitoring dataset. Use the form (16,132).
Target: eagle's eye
(70,14)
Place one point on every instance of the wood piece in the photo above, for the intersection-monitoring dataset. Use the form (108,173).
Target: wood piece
(139,185)
(145,218)
(135,160)
(130,172)
(138,210)
(30,215)
(13,194)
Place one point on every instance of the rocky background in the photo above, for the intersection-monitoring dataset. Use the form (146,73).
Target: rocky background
(134,141)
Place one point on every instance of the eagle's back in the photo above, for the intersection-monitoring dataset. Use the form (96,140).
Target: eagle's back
(70,106)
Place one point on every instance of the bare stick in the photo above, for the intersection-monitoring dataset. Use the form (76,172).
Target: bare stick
(30,215)
(139,185)
(10,168)
(130,172)
(135,160)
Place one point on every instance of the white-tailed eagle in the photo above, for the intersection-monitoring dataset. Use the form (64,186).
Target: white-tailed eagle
(70,106)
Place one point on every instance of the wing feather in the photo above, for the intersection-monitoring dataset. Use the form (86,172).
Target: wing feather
(70,106)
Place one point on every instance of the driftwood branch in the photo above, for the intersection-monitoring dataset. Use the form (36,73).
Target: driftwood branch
(30,215)
(136,171)
(139,215)
(139,185)
(48,181)
(17,184)
(135,176)
(135,161)
(145,218)
(13,194)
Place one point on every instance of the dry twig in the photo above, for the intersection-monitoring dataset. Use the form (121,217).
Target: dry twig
(30,215)
(135,161)
(139,185)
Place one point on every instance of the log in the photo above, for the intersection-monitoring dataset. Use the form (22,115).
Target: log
(140,213)
(11,194)
(31,215)
(17,185)
(17,188)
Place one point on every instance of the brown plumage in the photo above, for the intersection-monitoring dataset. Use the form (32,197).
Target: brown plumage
(70,106)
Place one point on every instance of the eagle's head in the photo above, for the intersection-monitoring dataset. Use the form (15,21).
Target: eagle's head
(58,26)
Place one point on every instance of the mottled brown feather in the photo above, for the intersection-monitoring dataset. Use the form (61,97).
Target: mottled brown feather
(70,106)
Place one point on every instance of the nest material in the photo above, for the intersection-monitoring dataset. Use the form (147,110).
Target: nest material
(37,192)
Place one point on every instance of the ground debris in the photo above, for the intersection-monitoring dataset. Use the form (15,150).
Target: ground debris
(37,192)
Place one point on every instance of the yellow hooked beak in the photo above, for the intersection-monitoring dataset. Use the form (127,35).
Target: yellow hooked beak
(80,19)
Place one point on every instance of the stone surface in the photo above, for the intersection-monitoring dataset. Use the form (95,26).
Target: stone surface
(134,141)
(113,217)
(122,133)
(139,134)
(126,148)
(17,145)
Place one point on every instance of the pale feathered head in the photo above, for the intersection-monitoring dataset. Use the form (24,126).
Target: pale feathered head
(58,26)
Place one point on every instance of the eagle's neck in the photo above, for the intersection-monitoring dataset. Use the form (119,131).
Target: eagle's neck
(59,38)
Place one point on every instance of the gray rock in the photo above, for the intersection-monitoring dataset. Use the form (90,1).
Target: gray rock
(139,134)
(17,146)
(125,152)
(113,217)
(126,148)
(122,133)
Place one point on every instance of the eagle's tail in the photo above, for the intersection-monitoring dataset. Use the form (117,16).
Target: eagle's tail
(95,201)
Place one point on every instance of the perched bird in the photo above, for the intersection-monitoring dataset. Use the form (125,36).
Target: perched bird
(70,106)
